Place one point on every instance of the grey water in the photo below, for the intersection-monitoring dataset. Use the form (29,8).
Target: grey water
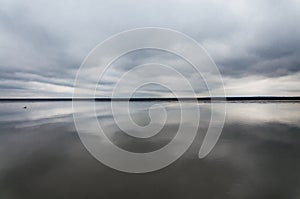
(256,156)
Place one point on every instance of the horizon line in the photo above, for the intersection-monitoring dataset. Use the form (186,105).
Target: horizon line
(231,98)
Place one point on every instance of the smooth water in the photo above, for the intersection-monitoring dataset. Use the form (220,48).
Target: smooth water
(257,155)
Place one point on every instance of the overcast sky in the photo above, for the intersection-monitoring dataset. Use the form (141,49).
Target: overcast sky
(255,44)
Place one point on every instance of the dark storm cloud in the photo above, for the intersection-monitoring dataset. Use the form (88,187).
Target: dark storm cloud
(274,59)
(44,42)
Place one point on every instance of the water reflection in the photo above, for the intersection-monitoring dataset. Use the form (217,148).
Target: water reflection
(257,155)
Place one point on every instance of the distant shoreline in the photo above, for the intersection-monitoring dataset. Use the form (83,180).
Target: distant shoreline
(254,98)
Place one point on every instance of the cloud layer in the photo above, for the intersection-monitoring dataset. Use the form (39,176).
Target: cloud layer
(255,44)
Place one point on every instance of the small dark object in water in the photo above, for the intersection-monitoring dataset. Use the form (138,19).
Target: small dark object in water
(25,107)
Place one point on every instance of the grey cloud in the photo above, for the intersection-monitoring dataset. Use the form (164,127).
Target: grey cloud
(266,42)
(47,41)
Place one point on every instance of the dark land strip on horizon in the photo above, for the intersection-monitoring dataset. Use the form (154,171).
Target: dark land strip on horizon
(254,98)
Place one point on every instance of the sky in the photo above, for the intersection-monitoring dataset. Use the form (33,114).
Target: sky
(255,44)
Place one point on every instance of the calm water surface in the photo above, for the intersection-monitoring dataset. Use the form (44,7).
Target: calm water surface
(257,155)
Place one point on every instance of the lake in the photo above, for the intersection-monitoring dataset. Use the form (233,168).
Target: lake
(256,156)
